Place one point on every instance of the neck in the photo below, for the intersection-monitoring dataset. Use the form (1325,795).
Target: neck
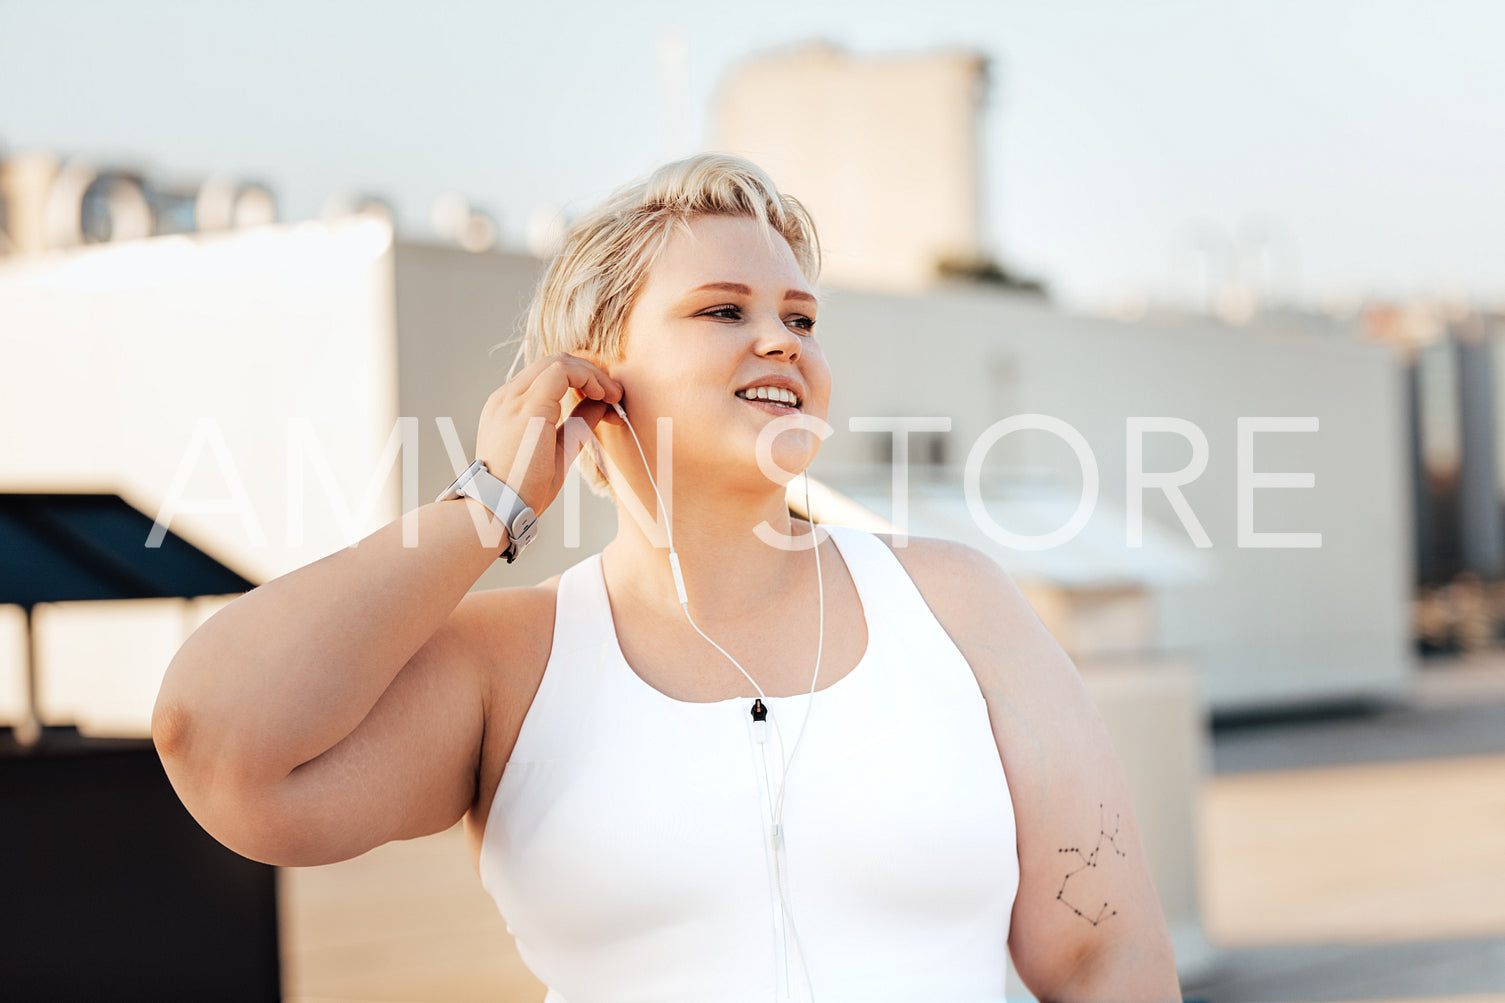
(728,571)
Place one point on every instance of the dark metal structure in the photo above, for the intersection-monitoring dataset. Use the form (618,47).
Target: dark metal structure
(111,890)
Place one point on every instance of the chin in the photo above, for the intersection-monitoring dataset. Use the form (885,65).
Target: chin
(793,453)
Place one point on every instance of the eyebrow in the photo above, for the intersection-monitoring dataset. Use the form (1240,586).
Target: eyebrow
(738,287)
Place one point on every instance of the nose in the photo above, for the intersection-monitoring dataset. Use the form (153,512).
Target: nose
(774,339)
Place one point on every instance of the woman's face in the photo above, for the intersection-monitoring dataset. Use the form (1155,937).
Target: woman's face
(724,312)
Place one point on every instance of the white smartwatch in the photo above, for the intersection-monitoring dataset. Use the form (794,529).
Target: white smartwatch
(517,518)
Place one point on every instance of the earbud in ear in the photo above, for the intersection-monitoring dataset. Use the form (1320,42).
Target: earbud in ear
(616,406)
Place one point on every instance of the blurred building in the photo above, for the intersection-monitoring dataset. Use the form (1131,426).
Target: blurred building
(48,204)
(885,151)
(1454,361)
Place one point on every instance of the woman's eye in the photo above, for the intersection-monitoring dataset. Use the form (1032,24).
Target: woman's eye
(799,321)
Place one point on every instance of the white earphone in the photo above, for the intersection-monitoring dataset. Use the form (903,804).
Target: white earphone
(760,725)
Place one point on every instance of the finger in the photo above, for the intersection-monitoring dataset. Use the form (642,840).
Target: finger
(565,372)
(553,373)
(593,412)
(524,377)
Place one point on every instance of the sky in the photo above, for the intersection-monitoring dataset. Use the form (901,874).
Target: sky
(1366,137)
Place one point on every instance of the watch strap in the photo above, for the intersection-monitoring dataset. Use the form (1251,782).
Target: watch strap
(517,518)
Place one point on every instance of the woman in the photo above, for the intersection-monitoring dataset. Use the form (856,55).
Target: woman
(719,770)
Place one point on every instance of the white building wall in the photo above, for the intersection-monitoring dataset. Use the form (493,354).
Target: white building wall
(1269,626)
(116,357)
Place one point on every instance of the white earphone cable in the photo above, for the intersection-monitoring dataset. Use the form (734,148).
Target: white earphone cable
(820,638)
(777,809)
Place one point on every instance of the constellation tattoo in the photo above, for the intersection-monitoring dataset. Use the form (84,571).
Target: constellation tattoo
(1090,860)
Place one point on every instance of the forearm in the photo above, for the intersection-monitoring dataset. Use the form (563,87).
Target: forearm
(288,670)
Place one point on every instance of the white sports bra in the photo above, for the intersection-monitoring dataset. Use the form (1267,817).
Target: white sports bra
(627,845)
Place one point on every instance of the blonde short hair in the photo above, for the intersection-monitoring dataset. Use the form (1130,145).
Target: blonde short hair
(583,301)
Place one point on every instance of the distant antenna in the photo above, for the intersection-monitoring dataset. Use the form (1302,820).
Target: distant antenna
(1200,264)
(1269,259)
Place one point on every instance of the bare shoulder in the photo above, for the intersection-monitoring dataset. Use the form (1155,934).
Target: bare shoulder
(509,624)
(1032,687)
(511,632)
(1033,690)
(975,600)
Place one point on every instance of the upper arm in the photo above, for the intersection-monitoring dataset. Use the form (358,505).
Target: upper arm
(408,769)
(1086,915)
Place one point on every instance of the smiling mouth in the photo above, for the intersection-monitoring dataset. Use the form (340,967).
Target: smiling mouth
(777,396)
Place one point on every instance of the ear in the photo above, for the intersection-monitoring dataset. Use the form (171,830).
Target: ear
(596,358)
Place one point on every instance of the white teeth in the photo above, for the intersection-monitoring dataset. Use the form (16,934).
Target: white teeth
(777,395)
